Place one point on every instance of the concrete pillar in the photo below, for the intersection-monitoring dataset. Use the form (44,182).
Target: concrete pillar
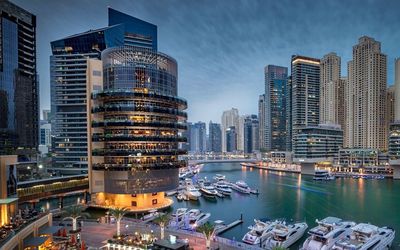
(307,168)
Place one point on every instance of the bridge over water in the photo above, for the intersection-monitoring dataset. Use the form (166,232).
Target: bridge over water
(210,160)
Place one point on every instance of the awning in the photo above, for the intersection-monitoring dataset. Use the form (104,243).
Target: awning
(49,230)
(8,200)
(35,241)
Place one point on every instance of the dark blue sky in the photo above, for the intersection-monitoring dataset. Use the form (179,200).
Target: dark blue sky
(222,46)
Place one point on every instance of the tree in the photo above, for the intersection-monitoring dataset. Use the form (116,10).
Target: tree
(74,213)
(118,213)
(162,220)
(279,248)
(208,231)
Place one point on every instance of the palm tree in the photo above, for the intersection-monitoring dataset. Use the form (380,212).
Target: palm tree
(162,220)
(74,213)
(118,213)
(208,231)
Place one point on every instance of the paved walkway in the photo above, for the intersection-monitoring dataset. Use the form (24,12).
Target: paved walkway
(96,235)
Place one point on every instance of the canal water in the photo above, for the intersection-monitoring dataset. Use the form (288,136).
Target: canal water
(299,198)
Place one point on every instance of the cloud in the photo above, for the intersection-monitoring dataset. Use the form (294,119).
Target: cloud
(222,46)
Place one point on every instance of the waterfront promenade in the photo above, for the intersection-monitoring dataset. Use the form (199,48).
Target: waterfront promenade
(96,235)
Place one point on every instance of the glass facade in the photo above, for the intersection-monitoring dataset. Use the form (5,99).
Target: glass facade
(18,85)
(214,137)
(305,88)
(68,74)
(275,111)
(137,124)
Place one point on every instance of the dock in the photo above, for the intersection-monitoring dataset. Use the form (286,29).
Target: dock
(225,228)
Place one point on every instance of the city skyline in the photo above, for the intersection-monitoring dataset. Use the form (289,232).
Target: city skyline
(215,82)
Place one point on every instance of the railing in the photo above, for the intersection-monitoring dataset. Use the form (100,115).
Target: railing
(132,108)
(129,93)
(135,152)
(138,166)
(115,123)
(124,137)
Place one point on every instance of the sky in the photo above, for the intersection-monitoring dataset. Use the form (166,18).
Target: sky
(222,46)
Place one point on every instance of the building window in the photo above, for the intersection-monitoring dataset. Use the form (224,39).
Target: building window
(154,194)
(154,201)
(133,195)
(133,203)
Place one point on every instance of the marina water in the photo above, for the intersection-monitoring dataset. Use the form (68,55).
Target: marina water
(298,198)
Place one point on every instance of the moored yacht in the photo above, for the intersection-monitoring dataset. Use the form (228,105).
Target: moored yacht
(328,231)
(259,232)
(223,188)
(366,237)
(208,191)
(192,193)
(177,218)
(241,187)
(323,175)
(219,177)
(196,218)
(283,235)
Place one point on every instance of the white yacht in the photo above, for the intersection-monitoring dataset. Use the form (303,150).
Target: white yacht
(223,188)
(323,175)
(283,235)
(188,182)
(195,218)
(208,190)
(177,218)
(192,193)
(327,233)
(152,214)
(366,237)
(259,232)
(241,187)
(219,177)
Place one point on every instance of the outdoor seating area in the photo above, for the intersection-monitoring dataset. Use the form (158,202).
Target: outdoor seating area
(24,218)
(137,240)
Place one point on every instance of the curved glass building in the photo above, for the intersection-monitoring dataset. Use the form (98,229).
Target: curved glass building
(136,126)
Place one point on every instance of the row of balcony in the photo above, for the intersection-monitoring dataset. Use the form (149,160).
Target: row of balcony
(139,166)
(124,137)
(130,94)
(132,108)
(137,152)
(124,123)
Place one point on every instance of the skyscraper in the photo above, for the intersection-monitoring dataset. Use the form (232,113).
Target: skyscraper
(305,92)
(229,118)
(251,134)
(275,108)
(19,104)
(136,125)
(214,137)
(366,97)
(231,139)
(390,102)
(289,124)
(261,121)
(198,137)
(331,91)
(68,76)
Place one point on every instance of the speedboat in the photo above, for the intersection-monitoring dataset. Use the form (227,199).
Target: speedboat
(259,232)
(195,218)
(323,175)
(219,177)
(192,193)
(241,187)
(177,218)
(366,236)
(283,235)
(223,188)
(327,233)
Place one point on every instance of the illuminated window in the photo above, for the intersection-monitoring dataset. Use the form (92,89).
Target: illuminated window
(154,201)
